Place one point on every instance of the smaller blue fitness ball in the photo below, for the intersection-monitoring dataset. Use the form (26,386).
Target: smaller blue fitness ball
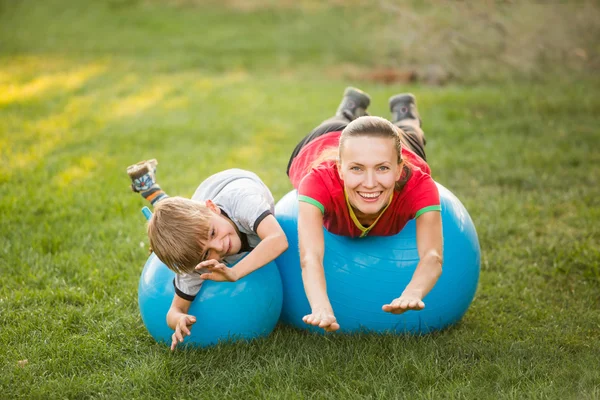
(224,311)
(364,274)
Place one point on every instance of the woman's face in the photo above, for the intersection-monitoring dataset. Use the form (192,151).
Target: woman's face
(369,168)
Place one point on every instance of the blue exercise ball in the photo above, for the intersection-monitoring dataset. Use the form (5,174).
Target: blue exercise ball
(364,274)
(224,311)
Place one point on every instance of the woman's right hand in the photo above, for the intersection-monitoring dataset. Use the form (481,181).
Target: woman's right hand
(323,318)
(182,329)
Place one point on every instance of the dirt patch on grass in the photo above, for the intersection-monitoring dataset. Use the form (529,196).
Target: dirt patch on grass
(261,5)
(442,40)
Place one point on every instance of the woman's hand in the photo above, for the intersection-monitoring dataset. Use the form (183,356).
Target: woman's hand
(408,301)
(218,271)
(312,249)
(182,329)
(429,269)
(323,318)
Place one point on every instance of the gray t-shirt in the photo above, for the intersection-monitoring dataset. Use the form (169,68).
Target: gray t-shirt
(246,201)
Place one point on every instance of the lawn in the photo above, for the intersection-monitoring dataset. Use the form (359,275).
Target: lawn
(87,89)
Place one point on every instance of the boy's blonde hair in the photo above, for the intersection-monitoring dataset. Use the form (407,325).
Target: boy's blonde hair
(178,232)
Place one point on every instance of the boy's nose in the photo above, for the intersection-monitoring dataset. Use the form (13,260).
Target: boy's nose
(217,245)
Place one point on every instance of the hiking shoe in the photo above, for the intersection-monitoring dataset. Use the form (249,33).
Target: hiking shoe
(404,106)
(143,175)
(354,104)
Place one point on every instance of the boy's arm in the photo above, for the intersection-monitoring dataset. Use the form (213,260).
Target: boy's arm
(179,320)
(273,242)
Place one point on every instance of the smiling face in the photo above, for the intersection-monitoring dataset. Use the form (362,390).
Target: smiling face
(223,238)
(369,167)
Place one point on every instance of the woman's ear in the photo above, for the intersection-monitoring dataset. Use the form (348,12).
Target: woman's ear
(212,207)
(400,169)
(338,167)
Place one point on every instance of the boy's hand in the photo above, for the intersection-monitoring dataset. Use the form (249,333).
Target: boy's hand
(182,329)
(322,318)
(218,271)
(404,303)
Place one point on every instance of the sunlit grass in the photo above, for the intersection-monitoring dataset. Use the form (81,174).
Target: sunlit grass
(78,173)
(41,84)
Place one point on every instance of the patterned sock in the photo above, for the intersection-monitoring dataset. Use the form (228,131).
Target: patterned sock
(154,195)
(143,181)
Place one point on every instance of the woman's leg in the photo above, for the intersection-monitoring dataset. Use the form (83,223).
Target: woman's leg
(143,181)
(354,104)
(333,124)
(406,117)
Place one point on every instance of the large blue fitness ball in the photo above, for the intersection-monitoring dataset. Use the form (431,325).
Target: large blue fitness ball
(364,274)
(246,309)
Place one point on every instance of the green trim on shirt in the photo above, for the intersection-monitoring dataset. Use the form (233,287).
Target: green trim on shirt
(427,209)
(308,200)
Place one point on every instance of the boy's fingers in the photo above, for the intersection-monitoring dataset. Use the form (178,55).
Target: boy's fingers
(205,264)
(324,324)
(333,327)
(211,276)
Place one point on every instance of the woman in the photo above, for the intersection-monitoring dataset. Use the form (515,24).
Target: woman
(358,175)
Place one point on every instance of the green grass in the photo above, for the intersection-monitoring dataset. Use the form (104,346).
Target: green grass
(87,90)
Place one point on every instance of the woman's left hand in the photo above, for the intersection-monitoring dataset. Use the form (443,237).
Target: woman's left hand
(218,271)
(404,303)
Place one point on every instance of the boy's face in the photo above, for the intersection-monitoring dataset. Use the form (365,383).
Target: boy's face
(223,238)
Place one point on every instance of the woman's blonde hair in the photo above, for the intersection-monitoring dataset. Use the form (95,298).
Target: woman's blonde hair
(178,232)
(374,127)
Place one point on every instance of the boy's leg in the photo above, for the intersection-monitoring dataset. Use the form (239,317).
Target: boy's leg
(143,181)
(406,117)
(354,104)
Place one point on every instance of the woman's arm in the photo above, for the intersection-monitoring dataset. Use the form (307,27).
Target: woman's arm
(179,320)
(273,243)
(312,250)
(429,269)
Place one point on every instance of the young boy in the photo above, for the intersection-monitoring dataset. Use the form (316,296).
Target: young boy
(230,213)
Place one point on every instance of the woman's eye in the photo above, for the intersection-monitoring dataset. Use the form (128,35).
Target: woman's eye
(354,168)
(384,168)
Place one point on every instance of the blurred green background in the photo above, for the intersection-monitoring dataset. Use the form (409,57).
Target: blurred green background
(508,92)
